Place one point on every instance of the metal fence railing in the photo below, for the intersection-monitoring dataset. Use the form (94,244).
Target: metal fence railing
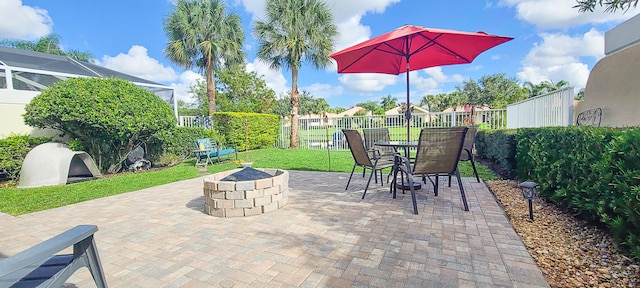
(314,133)
(551,109)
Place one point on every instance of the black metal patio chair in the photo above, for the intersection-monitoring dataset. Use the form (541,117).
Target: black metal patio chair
(438,153)
(362,158)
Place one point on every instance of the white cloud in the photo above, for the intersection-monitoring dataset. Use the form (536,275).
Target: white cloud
(137,63)
(559,14)
(273,78)
(319,90)
(367,82)
(558,58)
(182,87)
(433,83)
(23,22)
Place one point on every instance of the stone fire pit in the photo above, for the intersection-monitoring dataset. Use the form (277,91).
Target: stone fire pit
(245,192)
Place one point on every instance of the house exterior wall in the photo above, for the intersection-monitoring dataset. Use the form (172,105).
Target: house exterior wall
(613,86)
(11,119)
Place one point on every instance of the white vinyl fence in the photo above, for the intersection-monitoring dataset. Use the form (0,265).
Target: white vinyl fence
(314,133)
(551,109)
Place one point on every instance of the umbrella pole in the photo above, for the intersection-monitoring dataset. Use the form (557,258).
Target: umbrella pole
(408,112)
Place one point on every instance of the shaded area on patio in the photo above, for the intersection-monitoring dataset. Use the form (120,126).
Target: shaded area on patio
(325,236)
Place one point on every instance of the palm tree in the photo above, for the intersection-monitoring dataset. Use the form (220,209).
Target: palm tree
(388,102)
(49,44)
(202,35)
(295,29)
(611,5)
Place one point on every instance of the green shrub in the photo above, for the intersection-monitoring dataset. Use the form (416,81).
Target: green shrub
(593,171)
(174,145)
(107,116)
(498,146)
(262,129)
(13,149)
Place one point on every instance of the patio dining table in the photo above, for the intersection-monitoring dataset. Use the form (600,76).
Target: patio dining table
(406,146)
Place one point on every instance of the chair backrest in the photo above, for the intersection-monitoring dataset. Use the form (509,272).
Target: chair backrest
(469,141)
(439,150)
(373,135)
(356,145)
(205,144)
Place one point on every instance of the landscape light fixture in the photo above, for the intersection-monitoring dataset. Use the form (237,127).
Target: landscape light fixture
(529,192)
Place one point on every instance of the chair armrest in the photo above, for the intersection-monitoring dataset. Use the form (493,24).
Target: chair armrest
(44,250)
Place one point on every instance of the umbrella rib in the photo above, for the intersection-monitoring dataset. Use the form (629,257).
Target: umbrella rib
(358,59)
(393,51)
(432,41)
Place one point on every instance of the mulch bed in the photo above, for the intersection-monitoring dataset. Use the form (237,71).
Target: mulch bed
(569,251)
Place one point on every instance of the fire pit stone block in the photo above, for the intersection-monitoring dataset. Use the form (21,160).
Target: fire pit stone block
(245,198)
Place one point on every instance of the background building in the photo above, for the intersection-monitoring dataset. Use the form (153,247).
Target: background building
(24,74)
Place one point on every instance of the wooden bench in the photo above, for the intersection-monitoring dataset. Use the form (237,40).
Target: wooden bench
(38,266)
(208,149)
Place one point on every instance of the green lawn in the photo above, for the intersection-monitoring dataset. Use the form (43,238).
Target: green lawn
(16,201)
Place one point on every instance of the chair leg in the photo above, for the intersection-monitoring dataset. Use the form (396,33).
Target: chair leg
(413,195)
(370,176)
(473,165)
(464,197)
(94,265)
(349,181)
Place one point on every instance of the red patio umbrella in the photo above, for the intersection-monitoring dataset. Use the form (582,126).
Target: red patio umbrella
(391,53)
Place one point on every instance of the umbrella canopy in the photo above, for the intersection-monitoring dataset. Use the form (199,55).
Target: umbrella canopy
(411,48)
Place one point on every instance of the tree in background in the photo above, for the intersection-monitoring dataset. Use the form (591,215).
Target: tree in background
(307,105)
(190,109)
(388,102)
(435,103)
(494,90)
(237,91)
(295,30)
(611,5)
(372,106)
(49,44)
(543,87)
(202,35)
(242,91)
(109,117)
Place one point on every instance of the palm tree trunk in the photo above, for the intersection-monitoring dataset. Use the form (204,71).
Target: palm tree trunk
(211,88)
(294,108)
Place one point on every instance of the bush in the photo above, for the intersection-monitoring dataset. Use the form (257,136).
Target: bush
(174,145)
(109,117)
(593,171)
(498,146)
(262,129)
(13,149)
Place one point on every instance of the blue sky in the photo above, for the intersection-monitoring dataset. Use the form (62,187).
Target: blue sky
(552,41)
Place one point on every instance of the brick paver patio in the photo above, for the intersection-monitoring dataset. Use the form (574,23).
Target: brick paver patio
(324,237)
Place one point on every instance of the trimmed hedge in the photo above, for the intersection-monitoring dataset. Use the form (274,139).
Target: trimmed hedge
(174,145)
(593,171)
(262,129)
(498,146)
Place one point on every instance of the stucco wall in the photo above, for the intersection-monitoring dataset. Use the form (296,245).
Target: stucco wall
(613,86)
(11,119)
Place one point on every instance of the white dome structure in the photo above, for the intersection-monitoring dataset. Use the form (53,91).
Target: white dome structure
(52,164)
